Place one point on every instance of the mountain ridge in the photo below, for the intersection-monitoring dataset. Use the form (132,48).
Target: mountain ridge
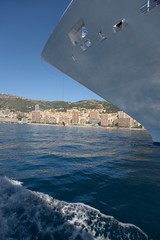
(21,104)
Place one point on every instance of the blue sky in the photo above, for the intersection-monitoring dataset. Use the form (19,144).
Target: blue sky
(25,26)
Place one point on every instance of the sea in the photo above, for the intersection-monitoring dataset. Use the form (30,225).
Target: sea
(78,183)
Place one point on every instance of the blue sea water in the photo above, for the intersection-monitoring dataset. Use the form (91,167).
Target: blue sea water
(67,183)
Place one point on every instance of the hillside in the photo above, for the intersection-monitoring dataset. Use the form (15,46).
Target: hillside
(21,104)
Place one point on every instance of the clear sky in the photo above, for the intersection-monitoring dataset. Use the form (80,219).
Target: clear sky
(25,26)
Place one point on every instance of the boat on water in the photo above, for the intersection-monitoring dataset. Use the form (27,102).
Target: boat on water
(113,48)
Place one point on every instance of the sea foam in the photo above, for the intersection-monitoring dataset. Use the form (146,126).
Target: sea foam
(28,215)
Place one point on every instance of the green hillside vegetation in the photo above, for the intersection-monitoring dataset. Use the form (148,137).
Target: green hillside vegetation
(21,104)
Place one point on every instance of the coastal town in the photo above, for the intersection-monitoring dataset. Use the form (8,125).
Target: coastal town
(74,116)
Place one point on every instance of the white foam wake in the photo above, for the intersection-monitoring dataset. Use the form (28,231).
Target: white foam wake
(28,215)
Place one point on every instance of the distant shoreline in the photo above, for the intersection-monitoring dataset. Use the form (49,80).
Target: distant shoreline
(76,126)
(84,126)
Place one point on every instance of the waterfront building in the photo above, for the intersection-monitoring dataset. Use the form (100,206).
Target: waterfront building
(24,120)
(83,120)
(94,115)
(104,119)
(36,117)
(64,119)
(122,114)
(37,108)
(6,112)
(8,120)
(75,117)
(112,119)
(124,122)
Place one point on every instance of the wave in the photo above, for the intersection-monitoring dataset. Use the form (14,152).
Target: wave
(29,215)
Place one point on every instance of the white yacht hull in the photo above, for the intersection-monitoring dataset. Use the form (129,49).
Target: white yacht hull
(121,63)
